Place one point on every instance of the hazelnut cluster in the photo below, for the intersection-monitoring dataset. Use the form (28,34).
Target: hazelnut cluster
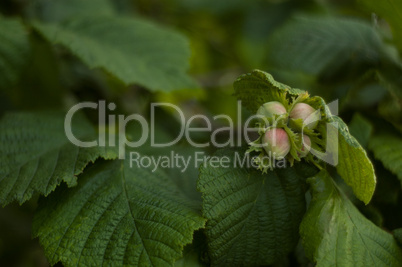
(284,134)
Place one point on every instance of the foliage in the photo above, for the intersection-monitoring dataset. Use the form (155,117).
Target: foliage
(342,230)
(36,156)
(113,209)
(92,206)
(255,220)
(126,42)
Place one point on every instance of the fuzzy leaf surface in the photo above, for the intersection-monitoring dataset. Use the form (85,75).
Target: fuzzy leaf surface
(258,87)
(253,219)
(36,156)
(116,216)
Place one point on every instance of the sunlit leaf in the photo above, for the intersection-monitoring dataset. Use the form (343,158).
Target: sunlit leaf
(335,233)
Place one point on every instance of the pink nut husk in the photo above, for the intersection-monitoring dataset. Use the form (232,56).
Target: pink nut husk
(307,113)
(276,143)
(270,109)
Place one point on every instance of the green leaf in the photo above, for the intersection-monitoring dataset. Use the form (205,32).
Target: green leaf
(314,45)
(36,156)
(388,149)
(335,233)
(354,166)
(134,50)
(390,10)
(361,129)
(117,215)
(183,175)
(259,87)
(14,51)
(253,219)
